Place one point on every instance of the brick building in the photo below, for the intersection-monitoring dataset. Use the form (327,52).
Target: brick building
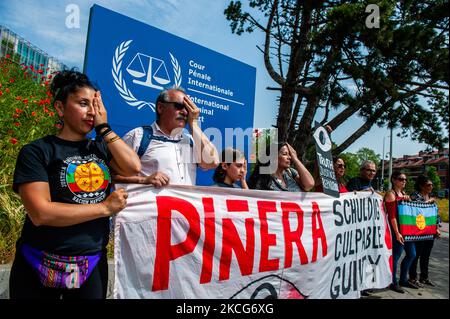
(415,165)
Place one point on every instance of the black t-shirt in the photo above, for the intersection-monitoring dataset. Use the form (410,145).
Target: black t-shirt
(358,184)
(77,173)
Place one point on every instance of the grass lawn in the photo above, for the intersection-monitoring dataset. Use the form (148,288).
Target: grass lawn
(443,209)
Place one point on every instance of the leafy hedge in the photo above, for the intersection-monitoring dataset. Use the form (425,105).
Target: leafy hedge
(25,115)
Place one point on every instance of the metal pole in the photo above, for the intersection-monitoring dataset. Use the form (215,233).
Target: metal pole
(382,168)
(390,158)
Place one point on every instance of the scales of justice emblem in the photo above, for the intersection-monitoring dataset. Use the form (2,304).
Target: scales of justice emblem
(156,72)
(148,71)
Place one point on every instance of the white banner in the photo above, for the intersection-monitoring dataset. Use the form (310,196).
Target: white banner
(211,242)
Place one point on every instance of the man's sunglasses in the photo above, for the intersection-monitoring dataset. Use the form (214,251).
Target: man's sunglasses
(178,106)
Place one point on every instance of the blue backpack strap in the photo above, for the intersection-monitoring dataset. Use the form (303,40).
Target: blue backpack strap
(147,136)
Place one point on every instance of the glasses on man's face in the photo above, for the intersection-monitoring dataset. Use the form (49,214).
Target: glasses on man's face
(178,106)
(401,179)
(340,165)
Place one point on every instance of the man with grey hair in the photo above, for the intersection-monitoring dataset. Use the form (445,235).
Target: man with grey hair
(168,153)
(363,182)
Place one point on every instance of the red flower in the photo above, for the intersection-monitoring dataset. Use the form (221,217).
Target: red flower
(33,113)
(7,56)
(13,140)
(58,126)
(51,113)
(18,98)
(50,76)
(7,90)
(25,101)
(40,71)
(11,80)
(41,64)
(17,124)
(18,111)
(1,93)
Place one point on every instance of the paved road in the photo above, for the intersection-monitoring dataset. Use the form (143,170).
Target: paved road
(439,274)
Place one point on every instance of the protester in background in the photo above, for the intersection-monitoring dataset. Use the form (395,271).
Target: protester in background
(423,187)
(284,178)
(64,184)
(232,169)
(367,173)
(171,154)
(391,198)
(339,172)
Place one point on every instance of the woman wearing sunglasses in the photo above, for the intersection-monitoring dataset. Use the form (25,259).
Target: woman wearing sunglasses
(398,180)
(423,187)
(339,172)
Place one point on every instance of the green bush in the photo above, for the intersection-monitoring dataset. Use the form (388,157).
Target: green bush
(25,115)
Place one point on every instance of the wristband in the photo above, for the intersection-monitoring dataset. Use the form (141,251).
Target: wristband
(101,126)
(105,132)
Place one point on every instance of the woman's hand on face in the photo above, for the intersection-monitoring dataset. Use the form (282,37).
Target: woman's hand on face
(292,152)
(244,175)
(100,116)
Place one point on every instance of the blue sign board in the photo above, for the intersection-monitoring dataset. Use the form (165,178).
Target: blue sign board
(132,62)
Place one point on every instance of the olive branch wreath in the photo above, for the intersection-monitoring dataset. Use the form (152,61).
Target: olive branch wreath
(120,83)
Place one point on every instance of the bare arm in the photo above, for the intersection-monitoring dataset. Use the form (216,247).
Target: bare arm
(304,178)
(157,179)
(390,198)
(204,149)
(42,211)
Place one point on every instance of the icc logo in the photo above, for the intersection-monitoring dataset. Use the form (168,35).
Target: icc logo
(147,71)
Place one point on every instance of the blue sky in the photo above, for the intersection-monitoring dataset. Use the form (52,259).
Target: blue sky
(43,23)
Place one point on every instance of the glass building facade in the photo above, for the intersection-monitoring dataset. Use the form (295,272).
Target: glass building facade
(23,52)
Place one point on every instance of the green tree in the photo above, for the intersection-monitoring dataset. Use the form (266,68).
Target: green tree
(323,56)
(351,165)
(433,175)
(409,188)
(365,153)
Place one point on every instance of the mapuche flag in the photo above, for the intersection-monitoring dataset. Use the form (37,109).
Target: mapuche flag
(418,220)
